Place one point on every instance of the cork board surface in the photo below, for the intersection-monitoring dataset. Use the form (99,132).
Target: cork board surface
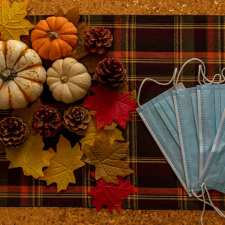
(69,216)
(72,216)
(149,7)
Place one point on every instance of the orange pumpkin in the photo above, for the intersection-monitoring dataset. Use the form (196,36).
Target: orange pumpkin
(54,38)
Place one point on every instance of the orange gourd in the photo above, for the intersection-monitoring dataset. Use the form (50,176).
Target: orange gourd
(54,38)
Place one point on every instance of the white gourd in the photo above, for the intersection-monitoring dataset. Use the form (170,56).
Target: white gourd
(68,80)
(21,75)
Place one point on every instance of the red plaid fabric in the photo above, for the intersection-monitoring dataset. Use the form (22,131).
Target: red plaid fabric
(148,46)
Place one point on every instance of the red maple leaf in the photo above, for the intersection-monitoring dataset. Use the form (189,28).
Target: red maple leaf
(111,195)
(110,106)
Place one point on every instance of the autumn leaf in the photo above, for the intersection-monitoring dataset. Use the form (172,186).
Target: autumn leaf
(63,164)
(108,159)
(72,14)
(30,157)
(110,106)
(112,126)
(111,195)
(80,50)
(12,22)
(27,113)
(92,133)
(91,61)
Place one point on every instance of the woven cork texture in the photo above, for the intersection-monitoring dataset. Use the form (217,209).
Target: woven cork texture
(72,216)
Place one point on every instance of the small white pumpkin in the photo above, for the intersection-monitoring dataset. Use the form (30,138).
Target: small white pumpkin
(68,80)
(21,75)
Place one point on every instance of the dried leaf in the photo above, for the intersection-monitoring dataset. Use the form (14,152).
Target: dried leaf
(80,51)
(61,11)
(111,126)
(92,133)
(63,164)
(91,61)
(12,22)
(111,195)
(110,106)
(108,159)
(30,157)
(72,14)
(27,113)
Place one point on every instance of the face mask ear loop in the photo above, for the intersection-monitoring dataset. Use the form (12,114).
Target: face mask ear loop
(220,76)
(155,81)
(201,198)
(175,77)
(219,212)
(201,73)
(201,69)
(204,204)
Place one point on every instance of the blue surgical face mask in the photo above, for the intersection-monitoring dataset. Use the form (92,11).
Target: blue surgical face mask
(206,122)
(188,137)
(211,105)
(214,171)
(180,142)
(157,124)
(219,102)
(165,109)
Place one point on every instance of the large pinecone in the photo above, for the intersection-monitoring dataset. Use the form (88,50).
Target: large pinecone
(110,72)
(76,119)
(47,121)
(13,131)
(97,40)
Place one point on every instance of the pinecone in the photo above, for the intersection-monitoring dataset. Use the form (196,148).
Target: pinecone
(13,131)
(111,73)
(76,119)
(47,121)
(97,40)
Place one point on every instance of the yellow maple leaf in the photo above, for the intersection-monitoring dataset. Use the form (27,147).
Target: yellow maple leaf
(27,113)
(12,22)
(108,159)
(92,133)
(30,157)
(63,164)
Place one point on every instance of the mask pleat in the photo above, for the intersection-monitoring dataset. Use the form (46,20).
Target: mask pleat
(187,136)
(213,173)
(207,122)
(164,138)
(167,116)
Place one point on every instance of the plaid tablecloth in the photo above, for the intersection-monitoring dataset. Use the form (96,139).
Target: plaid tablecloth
(147,45)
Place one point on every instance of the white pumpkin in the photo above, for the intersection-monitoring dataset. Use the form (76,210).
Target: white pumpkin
(21,75)
(68,80)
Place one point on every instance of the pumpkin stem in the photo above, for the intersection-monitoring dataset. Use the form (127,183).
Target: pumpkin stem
(53,35)
(8,74)
(64,79)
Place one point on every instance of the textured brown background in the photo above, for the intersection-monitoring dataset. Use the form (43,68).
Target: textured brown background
(69,216)
(153,7)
